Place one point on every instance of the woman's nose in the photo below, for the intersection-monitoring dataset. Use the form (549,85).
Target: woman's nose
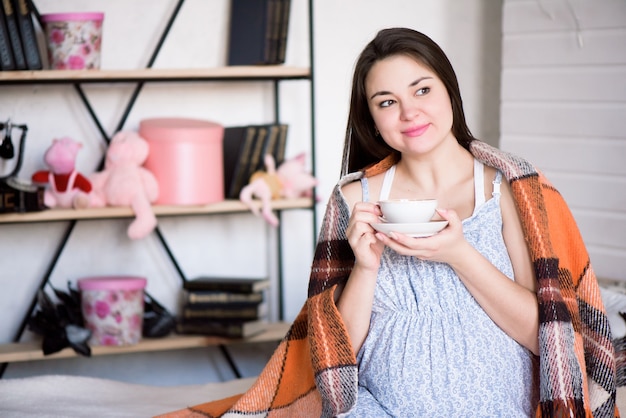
(408,111)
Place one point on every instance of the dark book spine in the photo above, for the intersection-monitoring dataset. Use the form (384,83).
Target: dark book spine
(270,144)
(217,298)
(281,145)
(26,27)
(284,30)
(234,137)
(235,312)
(223,286)
(269,45)
(7,62)
(238,285)
(256,159)
(241,169)
(231,329)
(273,31)
(14,35)
(250,32)
(221,306)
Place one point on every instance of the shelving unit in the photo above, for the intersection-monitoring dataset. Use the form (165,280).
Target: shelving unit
(16,351)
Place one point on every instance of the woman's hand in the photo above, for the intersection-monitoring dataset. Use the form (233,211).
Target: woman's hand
(354,299)
(362,237)
(445,246)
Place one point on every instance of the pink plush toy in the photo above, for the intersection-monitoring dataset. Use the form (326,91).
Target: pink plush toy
(289,181)
(124,182)
(67,187)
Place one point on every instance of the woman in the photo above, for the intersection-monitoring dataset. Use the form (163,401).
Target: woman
(445,325)
(449,325)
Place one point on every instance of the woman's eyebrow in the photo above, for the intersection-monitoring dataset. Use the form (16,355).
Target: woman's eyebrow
(380,93)
(412,84)
(419,80)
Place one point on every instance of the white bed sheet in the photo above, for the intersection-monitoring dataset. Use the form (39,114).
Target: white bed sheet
(74,396)
(59,396)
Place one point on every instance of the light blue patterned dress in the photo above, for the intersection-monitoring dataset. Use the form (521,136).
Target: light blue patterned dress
(431,350)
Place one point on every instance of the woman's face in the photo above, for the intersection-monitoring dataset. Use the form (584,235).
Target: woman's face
(409,104)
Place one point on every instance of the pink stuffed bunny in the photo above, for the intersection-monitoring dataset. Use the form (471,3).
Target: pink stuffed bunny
(124,182)
(289,181)
(67,188)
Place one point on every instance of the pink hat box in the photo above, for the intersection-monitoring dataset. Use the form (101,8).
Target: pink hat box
(186,159)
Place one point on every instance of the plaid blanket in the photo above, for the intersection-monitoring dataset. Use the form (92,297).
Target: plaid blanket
(313,371)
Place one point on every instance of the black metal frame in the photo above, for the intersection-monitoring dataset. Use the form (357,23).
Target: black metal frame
(140,83)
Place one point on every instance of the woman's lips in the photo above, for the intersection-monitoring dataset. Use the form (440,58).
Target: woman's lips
(416,130)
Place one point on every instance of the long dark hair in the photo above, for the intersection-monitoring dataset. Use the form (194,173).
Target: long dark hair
(363,146)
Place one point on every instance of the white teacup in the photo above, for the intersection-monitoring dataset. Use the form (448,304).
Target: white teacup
(408,211)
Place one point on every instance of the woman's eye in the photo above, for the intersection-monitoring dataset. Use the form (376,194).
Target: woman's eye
(386,103)
(422,91)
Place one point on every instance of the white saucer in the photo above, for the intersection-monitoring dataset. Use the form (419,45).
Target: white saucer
(419,230)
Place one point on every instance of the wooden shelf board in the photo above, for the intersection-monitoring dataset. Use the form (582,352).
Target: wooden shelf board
(223,207)
(31,351)
(278,72)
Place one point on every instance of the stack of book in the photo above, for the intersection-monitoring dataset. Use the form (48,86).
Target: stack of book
(258,32)
(18,40)
(226,307)
(244,150)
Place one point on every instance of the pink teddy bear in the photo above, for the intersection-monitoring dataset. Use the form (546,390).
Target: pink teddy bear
(124,182)
(289,181)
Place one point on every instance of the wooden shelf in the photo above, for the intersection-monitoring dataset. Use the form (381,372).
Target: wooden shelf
(231,73)
(31,351)
(223,207)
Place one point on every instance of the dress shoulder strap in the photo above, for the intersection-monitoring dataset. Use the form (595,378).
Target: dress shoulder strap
(365,189)
(479,184)
(496,183)
(387,181)
(385,189)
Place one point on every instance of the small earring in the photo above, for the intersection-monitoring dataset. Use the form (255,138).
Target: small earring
(376,131)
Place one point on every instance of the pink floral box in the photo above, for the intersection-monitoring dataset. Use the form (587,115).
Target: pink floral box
(74,40)
(113,308)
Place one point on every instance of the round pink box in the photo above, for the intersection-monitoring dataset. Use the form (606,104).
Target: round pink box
(74,40)
(186,158)
(113,308)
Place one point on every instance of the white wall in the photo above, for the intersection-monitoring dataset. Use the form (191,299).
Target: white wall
(468,30)
(563,107)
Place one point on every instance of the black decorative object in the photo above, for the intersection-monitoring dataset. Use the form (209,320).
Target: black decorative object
(61,324)
(17,195)
(157,321)
(6,147)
